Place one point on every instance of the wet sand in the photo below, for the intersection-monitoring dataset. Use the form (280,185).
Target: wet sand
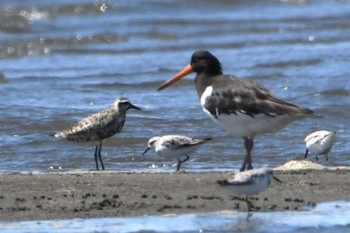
(112,194)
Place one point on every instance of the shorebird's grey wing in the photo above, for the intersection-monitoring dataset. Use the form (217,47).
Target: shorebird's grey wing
(94,127)
(248,98)
(97,120)
(180,141)
(269,104)
(245,178)
(238,179)
(316,137)
(177,141)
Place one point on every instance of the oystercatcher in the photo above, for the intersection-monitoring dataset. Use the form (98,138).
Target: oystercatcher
(242,107)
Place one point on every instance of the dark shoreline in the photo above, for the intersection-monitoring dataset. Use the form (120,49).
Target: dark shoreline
(111,194)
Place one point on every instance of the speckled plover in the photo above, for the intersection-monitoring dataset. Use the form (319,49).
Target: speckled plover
(175,146)
(320,143)
(99,126)
(244,108)
(249,182)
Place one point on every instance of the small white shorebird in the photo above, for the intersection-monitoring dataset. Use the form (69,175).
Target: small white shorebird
(320,143)
(99,126)
(175,146)
(249,182)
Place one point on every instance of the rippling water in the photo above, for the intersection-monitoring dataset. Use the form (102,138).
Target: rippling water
(326,217)
(63,60)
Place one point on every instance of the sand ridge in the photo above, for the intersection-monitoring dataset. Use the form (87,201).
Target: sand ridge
(118,194)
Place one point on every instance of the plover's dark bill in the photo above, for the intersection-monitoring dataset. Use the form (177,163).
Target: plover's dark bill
(99,126)
(249,183)
(242,107)
(175,146)
(320,143)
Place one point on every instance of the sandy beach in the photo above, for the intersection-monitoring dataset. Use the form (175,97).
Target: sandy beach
(113,194)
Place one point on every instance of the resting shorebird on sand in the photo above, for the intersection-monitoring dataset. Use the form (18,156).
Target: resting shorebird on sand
(244,108)
(249,183)
(175,146)
(320,143)
(99,126)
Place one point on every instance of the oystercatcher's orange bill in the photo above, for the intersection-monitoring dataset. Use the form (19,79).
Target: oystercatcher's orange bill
(185,71)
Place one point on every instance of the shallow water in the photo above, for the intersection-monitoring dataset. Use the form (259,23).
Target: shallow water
(63,60)
(325,217)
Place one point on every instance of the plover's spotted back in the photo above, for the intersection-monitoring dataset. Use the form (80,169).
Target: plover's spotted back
(320,143)
(175,146)
(244,108)
(249,182)
(99,126)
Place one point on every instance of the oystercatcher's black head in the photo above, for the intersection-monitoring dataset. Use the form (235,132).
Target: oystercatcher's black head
(201,61)
(204,61)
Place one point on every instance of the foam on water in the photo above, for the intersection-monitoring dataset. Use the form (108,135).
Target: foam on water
(325,217)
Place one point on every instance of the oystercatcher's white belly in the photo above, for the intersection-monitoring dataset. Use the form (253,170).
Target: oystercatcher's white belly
(243,125)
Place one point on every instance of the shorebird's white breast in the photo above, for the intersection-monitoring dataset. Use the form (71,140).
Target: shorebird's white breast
(244,125)
(166,152)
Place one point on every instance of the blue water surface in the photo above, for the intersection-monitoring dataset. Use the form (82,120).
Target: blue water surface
(325,217)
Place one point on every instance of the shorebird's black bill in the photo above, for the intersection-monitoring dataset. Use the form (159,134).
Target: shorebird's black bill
(185,71)
(134,107)
(276,179)
(146,151)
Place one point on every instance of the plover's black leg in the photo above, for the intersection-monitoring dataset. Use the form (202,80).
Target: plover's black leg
(96,149)
(179,162)
(100,156)
(316,157)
